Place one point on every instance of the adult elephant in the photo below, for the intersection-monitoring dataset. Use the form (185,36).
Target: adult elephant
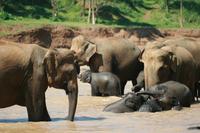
(115,55)
(27,70)
(170,63)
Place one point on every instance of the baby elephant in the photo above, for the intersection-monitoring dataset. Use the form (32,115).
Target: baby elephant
(170,94)
(102,84)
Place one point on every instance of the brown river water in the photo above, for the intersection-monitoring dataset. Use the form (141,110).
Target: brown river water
(90,117)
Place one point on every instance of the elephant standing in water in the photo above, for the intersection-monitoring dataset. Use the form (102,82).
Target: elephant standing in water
(170,63)
(184,72)
(27,70)
(102,84)
(114,55)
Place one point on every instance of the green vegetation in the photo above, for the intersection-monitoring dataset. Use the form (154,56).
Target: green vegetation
(125,13)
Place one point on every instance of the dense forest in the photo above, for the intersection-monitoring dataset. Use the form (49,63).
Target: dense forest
(149,13)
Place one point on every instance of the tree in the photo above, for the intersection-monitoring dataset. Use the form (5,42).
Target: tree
(181,13)
(54,8)
(167,5)
(89,11)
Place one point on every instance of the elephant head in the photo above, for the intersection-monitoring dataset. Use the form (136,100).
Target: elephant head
(86,76)
(83,48)
(129,103)
(61,70)
(160,65)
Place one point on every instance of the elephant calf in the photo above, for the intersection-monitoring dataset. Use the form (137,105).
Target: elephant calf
(102,84)
(169,94)
(160,97)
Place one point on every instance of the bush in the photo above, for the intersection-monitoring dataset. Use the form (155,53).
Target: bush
(5,16)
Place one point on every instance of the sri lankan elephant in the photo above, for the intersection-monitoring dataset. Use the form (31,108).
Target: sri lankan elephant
(170,63)
(102,83)
(27,70)
(130,102)
(115,55)
(140,82)
(170,94)
(164,96)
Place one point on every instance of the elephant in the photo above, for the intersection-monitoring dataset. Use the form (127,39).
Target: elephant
(130,102)
(170,63)
(140,82)
(26,71)
(102,84)
(170,94)
(164,96)
(111,54)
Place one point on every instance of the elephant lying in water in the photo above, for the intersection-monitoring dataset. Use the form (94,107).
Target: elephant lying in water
(164,96)
(27,70)
(102,84)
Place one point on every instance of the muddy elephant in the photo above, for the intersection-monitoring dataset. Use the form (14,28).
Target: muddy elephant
(27,70)
(102,84)
(130,102)
(168,95)
(170,63)
(115,55)
(164,96)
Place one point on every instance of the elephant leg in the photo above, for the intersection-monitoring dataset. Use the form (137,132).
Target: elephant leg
(95,91)
(35,96)
(46,116)
(36,107)
(123,83)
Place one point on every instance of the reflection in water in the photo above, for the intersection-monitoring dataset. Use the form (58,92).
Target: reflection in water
(90,118)
(193,128)
(13,120)
(86,118)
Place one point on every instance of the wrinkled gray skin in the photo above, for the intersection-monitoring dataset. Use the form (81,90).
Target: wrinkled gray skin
(129,103)
(185,60)
(140,82)
(102,84)
(160,97)
(115,55)
(170,94)
(170,63)
(27,70)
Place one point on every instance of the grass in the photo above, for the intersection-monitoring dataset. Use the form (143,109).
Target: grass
(121,13)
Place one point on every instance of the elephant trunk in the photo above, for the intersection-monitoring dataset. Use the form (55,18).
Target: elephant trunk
(72,91)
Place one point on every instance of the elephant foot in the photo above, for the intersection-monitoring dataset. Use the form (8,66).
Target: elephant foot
(46,118)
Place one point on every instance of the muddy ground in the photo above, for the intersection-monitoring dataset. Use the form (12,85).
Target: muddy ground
(53,36)
(89,116)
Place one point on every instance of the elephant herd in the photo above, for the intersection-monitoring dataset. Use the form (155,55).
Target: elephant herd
(168,71)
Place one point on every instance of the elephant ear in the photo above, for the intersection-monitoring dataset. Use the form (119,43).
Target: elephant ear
(50,64)
(83,48)
(90,50)
(173,62)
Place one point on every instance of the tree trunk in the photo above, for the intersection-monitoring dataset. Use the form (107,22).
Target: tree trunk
(167,5)
(1,5)
(181,13)
(93,14)
(89,12)
(83,6)
(54,6)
